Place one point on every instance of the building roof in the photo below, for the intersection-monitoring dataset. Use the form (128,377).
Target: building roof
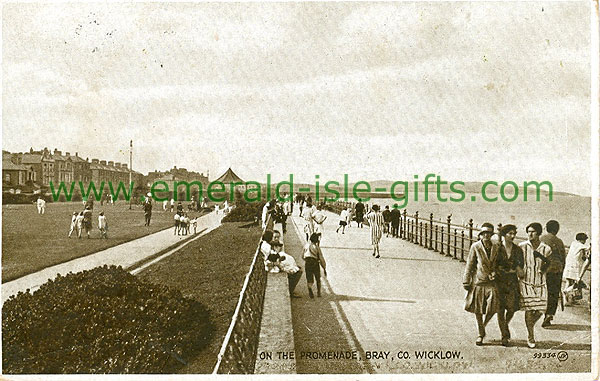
(10,166)
(229,177)
(31,158)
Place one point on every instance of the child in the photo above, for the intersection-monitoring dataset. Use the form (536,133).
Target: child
(313,258)
(79,224)
(102,225)
(272,262)
(288,265)
(177,220)
(194,223)
(73,224)
(183,224)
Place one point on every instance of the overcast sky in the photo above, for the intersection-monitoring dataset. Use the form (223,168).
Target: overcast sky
(470,91)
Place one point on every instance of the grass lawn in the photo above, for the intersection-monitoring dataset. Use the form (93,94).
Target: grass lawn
(31,242)
(210,270)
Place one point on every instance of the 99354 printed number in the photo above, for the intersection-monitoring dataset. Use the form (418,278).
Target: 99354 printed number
(560,356)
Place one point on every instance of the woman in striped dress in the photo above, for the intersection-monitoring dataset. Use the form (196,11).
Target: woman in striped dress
(376,222)
(534,293)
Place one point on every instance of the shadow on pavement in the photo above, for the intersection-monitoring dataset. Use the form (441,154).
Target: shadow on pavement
(570,327)
(351,298)
(320,325)
(416,259)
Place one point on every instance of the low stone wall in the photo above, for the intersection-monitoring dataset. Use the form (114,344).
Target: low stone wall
(276,331)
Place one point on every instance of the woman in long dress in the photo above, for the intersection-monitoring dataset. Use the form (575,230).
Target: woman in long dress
(375,219)
(511,269)
(479,279)
(533,289)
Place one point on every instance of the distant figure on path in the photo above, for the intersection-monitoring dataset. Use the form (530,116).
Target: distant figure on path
(395,220)
(511,270)
(165,205)
(349,217)
(387,218)
(534,292)
(319,218)
(73,224)
(577,256)
(79,224)
(147,212)
(376,222)
(180,208)
(102,225)
(359,213)
(479,279)
(313,258)
(343,221)
(87,220)
(41,205)
(555,270)
(307,214)
(172,204)
(177,220)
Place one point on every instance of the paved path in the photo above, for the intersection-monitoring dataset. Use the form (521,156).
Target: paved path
(124,255)
(412,300)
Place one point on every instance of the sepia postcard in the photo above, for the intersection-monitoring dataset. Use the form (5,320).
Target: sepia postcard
(342,190)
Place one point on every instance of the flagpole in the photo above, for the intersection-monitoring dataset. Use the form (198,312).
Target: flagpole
(130,170)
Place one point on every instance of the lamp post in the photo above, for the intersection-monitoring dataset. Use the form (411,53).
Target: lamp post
(130,170)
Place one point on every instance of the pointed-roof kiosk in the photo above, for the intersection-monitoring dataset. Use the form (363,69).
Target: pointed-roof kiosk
(228,178)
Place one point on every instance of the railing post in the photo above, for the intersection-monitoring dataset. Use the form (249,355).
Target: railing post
(436,239)
(462,245)
(470,233)
(426,239)
(455,243)
(449,220)
(402,224)
(416,227)
(430,231)
(441,240)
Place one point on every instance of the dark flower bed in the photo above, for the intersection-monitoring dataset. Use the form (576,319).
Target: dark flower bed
(103,320)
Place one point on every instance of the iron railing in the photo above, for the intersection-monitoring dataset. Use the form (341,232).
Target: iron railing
(239,348)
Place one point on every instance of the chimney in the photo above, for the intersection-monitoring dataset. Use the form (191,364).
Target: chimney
(76,154)
(57,152)
(124,166)
(95,161)
(103,162)
(67,154)
(111,163)
(118,165)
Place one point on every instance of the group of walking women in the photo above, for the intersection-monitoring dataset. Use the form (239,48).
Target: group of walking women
(503,277)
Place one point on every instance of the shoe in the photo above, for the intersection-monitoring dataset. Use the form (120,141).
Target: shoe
(310,293)
(531,343)
(505,342)
(479,341)
(373,254)
(378,256)
(296,296)
(547,322)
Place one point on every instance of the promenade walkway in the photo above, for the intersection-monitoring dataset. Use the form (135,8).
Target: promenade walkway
(411,301)
(126,254)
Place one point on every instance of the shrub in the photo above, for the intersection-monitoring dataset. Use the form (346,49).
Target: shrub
(102,320)
(245,211)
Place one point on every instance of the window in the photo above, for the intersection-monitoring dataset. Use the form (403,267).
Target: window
(7,177)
